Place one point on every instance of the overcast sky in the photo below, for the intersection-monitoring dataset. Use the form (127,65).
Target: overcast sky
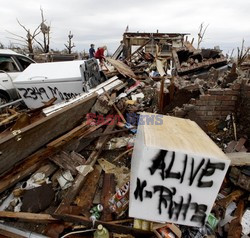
(103,22)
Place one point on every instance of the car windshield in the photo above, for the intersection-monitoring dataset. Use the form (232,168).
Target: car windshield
(7,64)
(25,62)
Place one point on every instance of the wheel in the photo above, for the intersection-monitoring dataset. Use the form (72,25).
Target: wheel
(3,99)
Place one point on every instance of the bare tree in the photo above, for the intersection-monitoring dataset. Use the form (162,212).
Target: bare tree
(1,45)
(202,31)
(242,53)
(27,41)
(45,29)
(70,46)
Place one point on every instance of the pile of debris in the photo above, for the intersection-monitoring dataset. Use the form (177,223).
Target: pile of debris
(67,167)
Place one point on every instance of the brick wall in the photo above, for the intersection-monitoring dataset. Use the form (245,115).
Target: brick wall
(244,106)
(218,103)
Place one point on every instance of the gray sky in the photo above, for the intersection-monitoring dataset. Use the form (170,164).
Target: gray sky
(103,22)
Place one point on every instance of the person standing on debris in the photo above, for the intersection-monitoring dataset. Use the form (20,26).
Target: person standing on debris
(100,53)
(92,51)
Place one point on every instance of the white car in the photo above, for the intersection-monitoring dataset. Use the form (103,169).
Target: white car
(11,66)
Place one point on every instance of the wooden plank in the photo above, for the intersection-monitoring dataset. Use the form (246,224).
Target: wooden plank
(26,168)
(80,179)
(84,142)
(64,161)
(28,217)
(235,228)
(41,132)
(116,108)
(160,68)
(33,162)
(108,191)
(111,227)
(76,134)
(87,193)
(239,158)
(47,169)
(68,136)
(122,68)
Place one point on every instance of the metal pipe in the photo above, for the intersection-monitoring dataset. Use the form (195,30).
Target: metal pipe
(11,103)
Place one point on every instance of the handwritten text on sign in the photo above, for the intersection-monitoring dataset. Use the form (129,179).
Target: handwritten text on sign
(176,187)
(44,93)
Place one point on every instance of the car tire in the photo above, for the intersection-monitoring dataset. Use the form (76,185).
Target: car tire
(3,99)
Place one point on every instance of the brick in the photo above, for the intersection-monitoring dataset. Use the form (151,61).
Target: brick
(228,103)
(225,108)
(192,101)
(214,113)
(246,88)
(231,92)
(236,86)
(216,91)
(214,103)
(240,144)
(226,98)
(225,113)
(201,113)
(201,103)
(230,147)
(247,95)
(207,97)
(210,118)
(206,108)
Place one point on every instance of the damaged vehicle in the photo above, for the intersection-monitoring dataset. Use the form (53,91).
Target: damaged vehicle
(42,82)
(11,66)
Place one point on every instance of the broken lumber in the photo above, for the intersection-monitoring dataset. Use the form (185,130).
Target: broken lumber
(84,200)
(21,171)
(28,217)
(9,119)
(66,162)
(34,161)
(108,190)
(122,68)
(39,133)
(239,158)
(80,179)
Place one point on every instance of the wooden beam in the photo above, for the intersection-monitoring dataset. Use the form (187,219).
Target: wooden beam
(84,200)
(130,55)
(79,130)
(66,162)
(28,217)
(41,132)
(33,162)
(235,228)
(26,168)
(108,190)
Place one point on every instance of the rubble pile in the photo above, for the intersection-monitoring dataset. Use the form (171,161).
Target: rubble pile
(65,169)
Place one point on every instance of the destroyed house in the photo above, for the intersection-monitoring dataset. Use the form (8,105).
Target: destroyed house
(188,60)
(149,41)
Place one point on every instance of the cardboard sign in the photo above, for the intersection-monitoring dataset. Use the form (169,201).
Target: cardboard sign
(176,172)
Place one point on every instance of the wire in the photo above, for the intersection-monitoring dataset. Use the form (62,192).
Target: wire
(77,232)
